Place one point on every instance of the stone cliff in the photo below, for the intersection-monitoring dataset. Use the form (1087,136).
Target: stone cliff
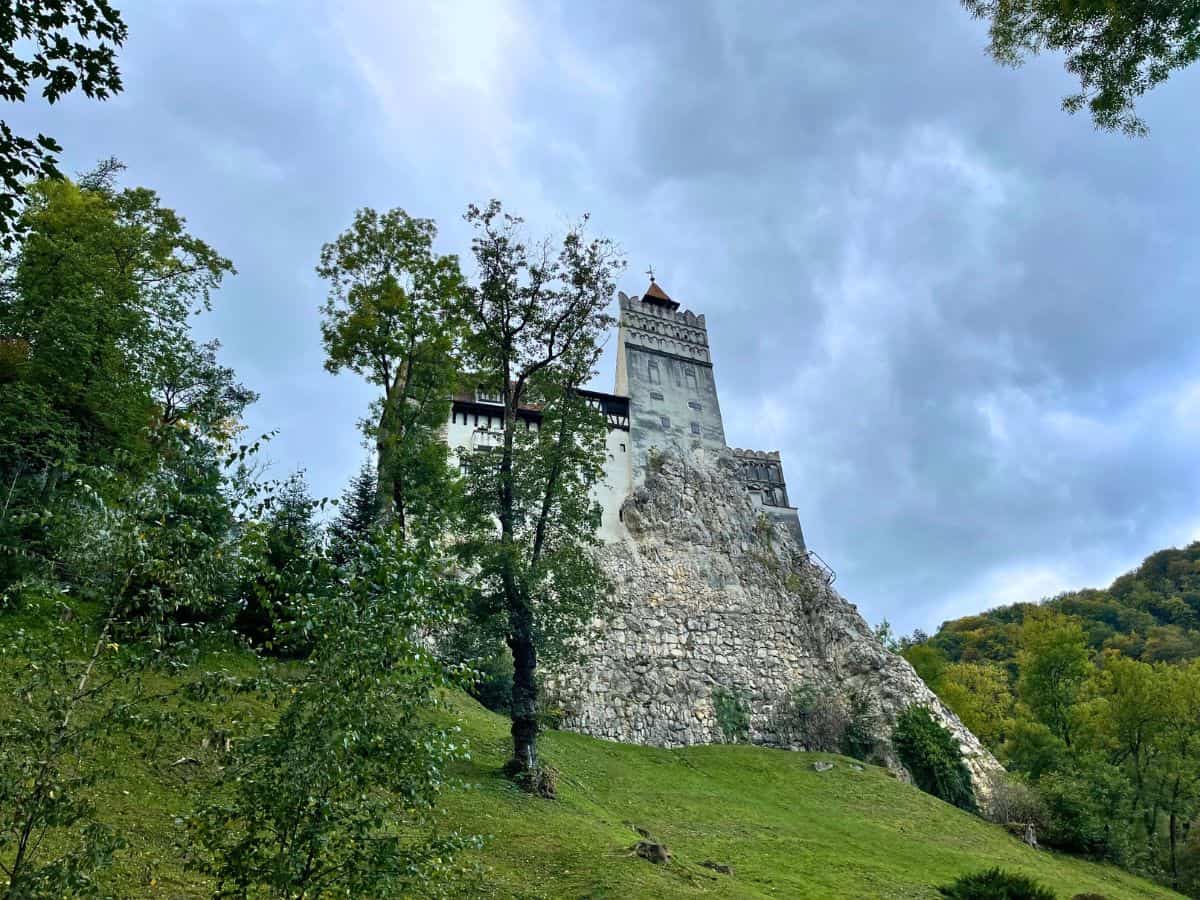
(709,595)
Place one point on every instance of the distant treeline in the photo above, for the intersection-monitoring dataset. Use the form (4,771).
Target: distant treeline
(1091,700)
(1151,614)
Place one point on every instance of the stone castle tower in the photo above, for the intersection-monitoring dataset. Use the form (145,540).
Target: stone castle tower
(665,369)
(665,400)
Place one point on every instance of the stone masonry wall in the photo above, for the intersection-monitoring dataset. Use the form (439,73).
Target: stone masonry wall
(707,594)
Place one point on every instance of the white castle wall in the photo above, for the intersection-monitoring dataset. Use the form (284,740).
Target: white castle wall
(471,430)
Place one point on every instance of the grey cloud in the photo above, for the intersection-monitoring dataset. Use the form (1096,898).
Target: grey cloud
(960,313)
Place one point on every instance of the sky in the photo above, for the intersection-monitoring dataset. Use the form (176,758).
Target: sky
(967,319)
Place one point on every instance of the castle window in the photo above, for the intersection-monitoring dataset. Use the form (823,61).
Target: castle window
(695,428)
(666,422)
(694,405)
(655,378)
(691,377)
(656,395)
(622,448)
(485,395)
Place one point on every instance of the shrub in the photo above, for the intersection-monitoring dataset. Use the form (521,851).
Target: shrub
(996,884)
(933,758)
(492,684)
(1012,799)
(814,717)
(860,736)
(733,715)
(1078,818)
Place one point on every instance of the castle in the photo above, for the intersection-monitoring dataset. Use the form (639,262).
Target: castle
(714,594)
(665,398)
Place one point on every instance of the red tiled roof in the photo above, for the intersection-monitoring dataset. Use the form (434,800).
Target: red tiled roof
(654,292)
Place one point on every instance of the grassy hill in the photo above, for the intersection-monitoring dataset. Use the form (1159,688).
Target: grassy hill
(786,830)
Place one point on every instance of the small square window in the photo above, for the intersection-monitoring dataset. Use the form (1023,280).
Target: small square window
(666,422)
(695,428)
(622,448)
(694,405)
(656,395)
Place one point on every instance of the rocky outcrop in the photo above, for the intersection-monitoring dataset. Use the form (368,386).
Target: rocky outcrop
(710,596)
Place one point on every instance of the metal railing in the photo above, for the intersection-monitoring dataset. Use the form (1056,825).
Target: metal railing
(826,570)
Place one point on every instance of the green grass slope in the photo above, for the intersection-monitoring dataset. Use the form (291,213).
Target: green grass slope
(785,829)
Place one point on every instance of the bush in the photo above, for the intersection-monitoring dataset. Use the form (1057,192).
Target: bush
(816,717)
(812,717)
(860,737)
(996,884)
(933,758)
(492,685)
(1080,815)
(733,715)
(1012,799)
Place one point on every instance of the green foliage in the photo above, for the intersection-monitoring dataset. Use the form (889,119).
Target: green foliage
(818,717)
(732,711)
(284,566)
(996,884)
(932,756)
(102,371)
(357,515)
(66,45)
(860,738)
(45,788)
(1054,664)
(928,661)
(1118,50)
(134,557)
(535,317)
(1149,614)
(1105,727)
(1034,749)
(980,694)
(492,684)
(394,317)
(337,795)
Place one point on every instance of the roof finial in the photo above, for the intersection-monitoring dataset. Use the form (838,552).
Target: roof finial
(650,272)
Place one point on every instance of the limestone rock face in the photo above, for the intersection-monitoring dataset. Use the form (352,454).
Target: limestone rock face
(709,595)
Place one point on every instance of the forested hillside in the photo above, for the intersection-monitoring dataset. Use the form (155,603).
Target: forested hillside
(1092,700)
(1151,614)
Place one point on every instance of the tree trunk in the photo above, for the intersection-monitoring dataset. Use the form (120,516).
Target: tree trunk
(524,699)
(1174,861)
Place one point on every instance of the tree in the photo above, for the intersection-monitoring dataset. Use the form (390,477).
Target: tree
(980,695)
(286,565)
(1119,49)
(393,317)
(536,315)
(1127,722)
(932,756)
(1179,740)
(133,555)
(99,368)
(928,661)
(66,44)
(1054,665)
(336,796)
(358,511)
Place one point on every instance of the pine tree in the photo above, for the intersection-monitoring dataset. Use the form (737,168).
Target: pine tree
(286,561)
(358,511)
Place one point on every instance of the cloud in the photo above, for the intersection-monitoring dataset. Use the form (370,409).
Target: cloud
(966,319)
